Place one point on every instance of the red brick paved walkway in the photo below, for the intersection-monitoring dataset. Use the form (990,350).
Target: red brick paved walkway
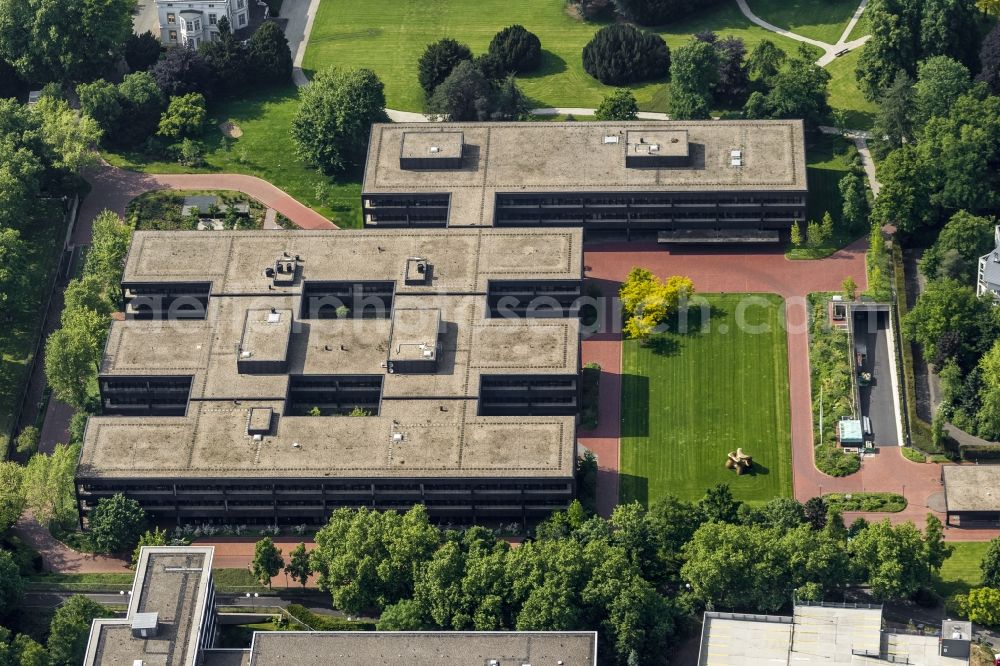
(756,270)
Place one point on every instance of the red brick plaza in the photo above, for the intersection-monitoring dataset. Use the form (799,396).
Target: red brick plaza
(744,271)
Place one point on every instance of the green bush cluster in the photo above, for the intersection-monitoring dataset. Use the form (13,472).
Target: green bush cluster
(327,622)
(887,502)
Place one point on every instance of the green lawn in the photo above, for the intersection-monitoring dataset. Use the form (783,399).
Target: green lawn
(824,20)
(43,237)
(861,28)
(388,36)
(264,150)
(687,400)
(961,571)
(845,95)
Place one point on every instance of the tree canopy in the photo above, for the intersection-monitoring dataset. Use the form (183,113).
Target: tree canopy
(619,54)
(619,104)
(116,523)
(331,127)
(647,301)
(70,629)
(437,62)
(517,50)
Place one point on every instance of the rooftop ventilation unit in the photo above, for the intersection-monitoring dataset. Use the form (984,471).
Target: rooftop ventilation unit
(435,149)
(611,138)
(736,158)
(145,625)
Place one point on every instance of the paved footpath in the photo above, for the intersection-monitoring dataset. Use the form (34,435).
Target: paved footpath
(738,270)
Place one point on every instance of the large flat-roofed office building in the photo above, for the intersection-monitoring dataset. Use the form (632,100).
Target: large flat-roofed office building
(275,376)
(171,621)
(686,181)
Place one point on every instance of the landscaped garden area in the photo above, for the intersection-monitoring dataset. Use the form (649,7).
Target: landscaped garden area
(389,37)
(263,149)
(688,399)
(162,210)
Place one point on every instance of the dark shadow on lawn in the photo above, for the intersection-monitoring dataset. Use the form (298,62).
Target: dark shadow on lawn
(635,406)
(550,64)
(633,488)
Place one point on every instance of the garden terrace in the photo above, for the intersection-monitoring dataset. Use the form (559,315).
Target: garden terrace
(604,176)
(225,411)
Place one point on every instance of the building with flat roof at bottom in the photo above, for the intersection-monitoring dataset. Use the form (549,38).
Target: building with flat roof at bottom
(824,634)
(685,181)
(972,495)
(226,389)
(171,621)
(171,612)
(988,281)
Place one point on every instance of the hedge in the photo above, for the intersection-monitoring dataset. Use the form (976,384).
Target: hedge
(327,622)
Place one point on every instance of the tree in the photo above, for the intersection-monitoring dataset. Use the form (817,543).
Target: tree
(968,237)
(404,615)
(464,95)
(270,56)
(935,549)
(69,135)
(893,560)
(827,226)
(11,585)
(619,104)
(63,40)
(815,510)
(365,559)
(49,488)
(718,504)
(11,494)
(229,62)
(12,250)
(949,28)
(796,234)
(850,288)
(797,91)
(894,118)
(116,524)
(647,301)
(784,513)
(70,629)
(893,46)
(267,561)
(694,68)
(765,60)
(331,127)
(814,234)
(509,102)
(27,441)
(142,51)
(154,537)
(658,12)
(517,50)
(948,306)
(30,652)
(733,85)
(437,62)
(685,105)
(940,82)
(184,117)
(108,247)
(183,71)
(855,210)
(989,59)
(141,103)
(990,564)
(619,54)
(298,566)
(100,100)
(981,605)
(72,353)
(904,198)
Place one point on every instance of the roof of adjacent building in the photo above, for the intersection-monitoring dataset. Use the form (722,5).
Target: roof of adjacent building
(990,263)
(425,648)
(428,424)
(822,634)
(172,582)
(587,156)
(971,488)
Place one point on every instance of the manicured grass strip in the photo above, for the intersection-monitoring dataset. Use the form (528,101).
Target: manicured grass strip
(388,37)
(689,399)
(42,236)
(886,502)
(961,571)
(845,95)
(265,150)
(824,20)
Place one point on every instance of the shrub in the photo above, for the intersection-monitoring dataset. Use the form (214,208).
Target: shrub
(887,502)
(326,622)
(832,460)
(620,54)
(437,62)
(184,116)
(619,104)
(464,95)
(516,49)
